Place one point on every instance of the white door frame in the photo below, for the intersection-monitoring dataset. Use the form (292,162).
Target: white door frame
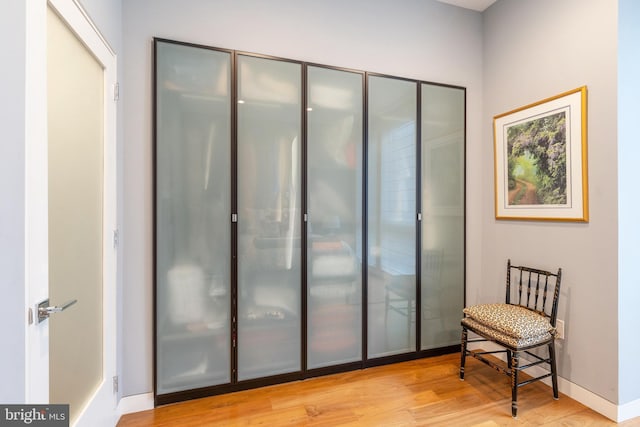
(102,408)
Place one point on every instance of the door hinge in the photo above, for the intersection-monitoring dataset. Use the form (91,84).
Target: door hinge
(116,91)
(116,238)
(115,384)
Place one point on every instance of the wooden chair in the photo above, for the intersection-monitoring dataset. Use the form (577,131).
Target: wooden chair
(525,321)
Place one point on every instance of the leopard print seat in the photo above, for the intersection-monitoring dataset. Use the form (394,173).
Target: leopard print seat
(511,324)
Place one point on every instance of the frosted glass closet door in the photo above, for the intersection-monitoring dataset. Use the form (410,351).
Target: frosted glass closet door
(192,217)
(269,200)
(443,112)
(334,176)
(391,216)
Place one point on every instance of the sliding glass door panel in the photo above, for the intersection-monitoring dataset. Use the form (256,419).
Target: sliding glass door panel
(299,227)
(391,181)
(334,176)
(269,202)
(192,196)
(442,260)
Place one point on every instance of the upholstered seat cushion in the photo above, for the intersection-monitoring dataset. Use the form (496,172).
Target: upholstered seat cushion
(502,338)
(512,324)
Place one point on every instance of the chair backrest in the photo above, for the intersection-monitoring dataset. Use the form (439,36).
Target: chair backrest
(535,289)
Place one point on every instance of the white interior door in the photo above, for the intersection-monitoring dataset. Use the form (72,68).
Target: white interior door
(71,210)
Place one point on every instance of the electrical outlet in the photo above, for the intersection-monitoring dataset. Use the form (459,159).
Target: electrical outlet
(560,329)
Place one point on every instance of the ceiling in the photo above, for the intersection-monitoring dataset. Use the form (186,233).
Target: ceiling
(479,5)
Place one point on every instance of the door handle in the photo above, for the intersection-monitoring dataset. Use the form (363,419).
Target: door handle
(45,310)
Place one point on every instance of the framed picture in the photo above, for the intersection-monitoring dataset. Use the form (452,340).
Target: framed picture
(541,160)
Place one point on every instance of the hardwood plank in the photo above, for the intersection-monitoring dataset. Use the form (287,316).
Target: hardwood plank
(419,392)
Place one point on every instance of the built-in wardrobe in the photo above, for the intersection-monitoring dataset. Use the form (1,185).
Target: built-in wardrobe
(308,219)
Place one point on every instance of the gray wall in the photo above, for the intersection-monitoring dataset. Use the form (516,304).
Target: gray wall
(533,50)
(411,38)
(628,200)
(12,210)
(107,16)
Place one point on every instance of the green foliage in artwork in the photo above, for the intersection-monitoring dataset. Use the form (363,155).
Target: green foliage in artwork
(537,153)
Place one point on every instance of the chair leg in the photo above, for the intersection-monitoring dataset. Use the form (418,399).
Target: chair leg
(554,370)
(514,384)
(463,352)
(509,359)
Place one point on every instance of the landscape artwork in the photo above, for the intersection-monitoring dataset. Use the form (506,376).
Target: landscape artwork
(541,160)
(537,161)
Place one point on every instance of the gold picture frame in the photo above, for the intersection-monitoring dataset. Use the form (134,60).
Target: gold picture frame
(540,162)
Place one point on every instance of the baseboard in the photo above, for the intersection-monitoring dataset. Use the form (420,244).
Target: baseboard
(135,403)
(629,410)
(584,396)
(617,413)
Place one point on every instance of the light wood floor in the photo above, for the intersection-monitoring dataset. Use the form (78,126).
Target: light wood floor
(424,392)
